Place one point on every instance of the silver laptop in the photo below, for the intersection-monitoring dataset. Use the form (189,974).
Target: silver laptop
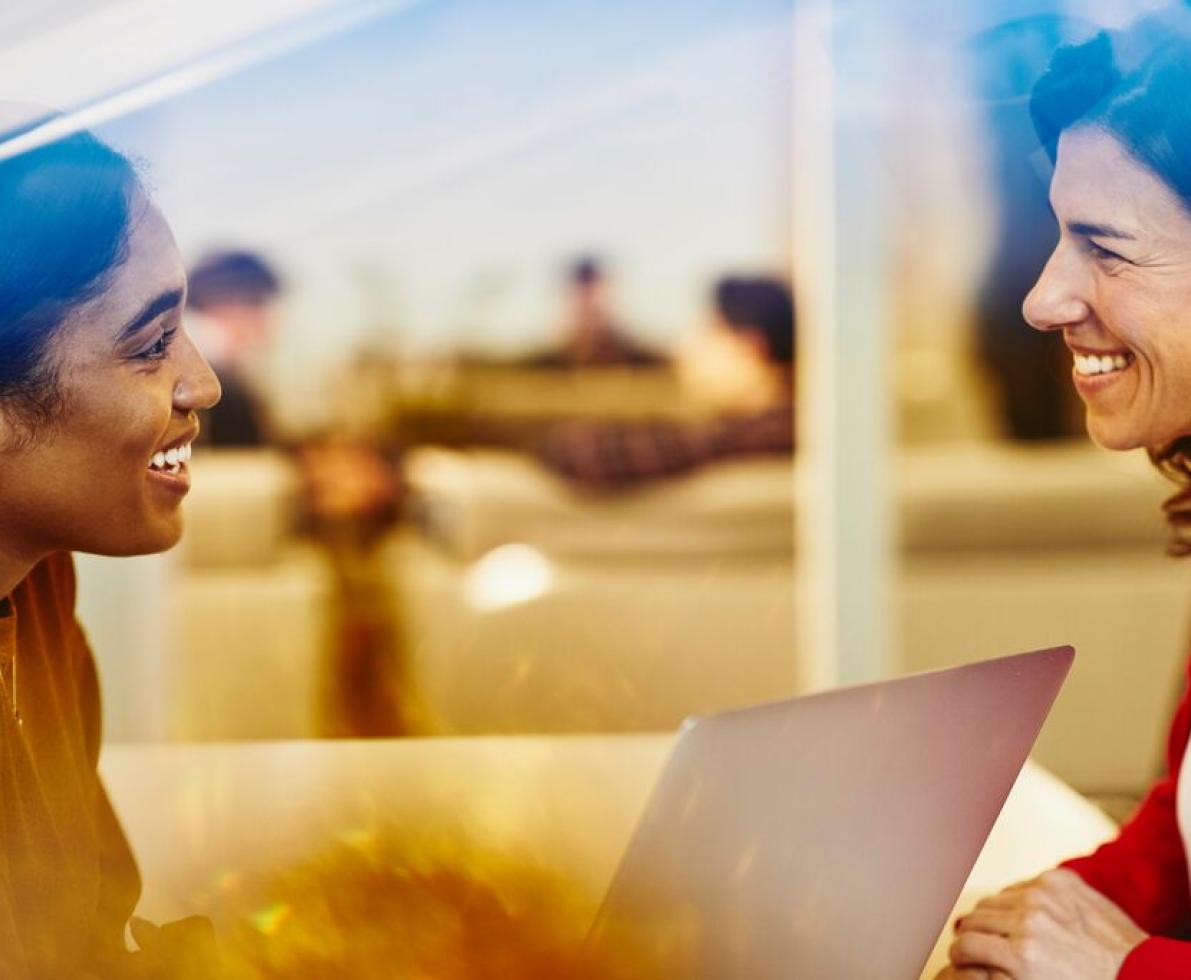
(828,836)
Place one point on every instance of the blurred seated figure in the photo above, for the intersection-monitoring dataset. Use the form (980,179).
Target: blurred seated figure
(232,313)
(743,366)
(350,498)
(591,335)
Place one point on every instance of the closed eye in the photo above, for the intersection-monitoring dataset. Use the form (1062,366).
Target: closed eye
(1100,252)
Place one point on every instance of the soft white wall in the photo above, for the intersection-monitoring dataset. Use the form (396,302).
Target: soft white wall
(123,605)
(436,173)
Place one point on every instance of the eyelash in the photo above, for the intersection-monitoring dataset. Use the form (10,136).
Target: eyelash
(1100,252)
(160,350)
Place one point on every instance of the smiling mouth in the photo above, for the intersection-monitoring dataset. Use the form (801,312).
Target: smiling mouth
(171,461)
(1091,365)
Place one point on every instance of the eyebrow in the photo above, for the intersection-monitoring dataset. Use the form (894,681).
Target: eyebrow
(149,312)
(1091,230)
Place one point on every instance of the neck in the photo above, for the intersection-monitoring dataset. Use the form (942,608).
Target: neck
(13,568)
(785,380)
(778,385)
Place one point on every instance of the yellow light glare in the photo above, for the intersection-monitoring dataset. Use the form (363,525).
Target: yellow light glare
(508,575)
(269,920)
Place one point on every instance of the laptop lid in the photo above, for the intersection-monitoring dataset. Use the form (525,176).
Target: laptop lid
(827,836)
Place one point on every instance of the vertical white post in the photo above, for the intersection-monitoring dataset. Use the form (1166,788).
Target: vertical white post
(841,275)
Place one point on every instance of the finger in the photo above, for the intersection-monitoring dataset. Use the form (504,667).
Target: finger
(1001,900)
(971,973)
(1009,898)
(145,933)
(195,934)
(998,922)
(1025,902)
(980,949)
(1025,885)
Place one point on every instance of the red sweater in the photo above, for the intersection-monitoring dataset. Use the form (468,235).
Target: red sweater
(1144,871)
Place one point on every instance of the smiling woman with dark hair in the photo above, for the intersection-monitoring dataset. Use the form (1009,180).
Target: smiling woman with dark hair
(98,393)
(1115,116)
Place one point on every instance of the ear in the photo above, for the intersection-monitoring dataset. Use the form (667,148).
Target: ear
(14,429)
(7,428)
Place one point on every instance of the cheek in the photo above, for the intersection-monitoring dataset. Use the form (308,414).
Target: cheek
(109,454)
(122,426)
(105,449)
(1154,317)
(1128,316)
(1162,341)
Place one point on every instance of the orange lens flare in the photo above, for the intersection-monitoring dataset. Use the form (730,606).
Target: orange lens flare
(386,906)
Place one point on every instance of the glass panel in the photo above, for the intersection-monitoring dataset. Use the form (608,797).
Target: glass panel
(509,451)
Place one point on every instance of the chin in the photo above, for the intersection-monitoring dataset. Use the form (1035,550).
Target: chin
(150,540)
(163,539)
(1115,437)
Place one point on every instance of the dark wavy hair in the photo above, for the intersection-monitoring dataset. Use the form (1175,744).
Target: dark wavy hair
(1135,86)
(232,277)
(65,211)
(760,306)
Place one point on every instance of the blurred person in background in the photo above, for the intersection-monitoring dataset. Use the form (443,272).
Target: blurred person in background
(1115,116)
(591,334)
(351,497)
(100,388)
(232,310)
(742,367)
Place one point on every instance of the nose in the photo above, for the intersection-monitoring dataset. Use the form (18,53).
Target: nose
(197,387)
(1058,297)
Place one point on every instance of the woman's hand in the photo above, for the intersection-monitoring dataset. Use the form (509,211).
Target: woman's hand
(1054,927)
(182,950)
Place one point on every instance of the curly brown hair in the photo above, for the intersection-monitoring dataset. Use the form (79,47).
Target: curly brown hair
(1173,461)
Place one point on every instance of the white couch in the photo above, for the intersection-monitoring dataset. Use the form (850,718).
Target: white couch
(681,597)
(629,612)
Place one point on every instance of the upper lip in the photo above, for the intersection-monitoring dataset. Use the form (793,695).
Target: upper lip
(188,436)
(1098,353)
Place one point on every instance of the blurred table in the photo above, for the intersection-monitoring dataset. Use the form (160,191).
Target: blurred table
(205,819)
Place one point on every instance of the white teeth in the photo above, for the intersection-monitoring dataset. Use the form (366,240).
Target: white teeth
(1092,364)
(171,460)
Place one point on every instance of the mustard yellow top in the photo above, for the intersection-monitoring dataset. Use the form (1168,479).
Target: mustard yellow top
(68,881)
